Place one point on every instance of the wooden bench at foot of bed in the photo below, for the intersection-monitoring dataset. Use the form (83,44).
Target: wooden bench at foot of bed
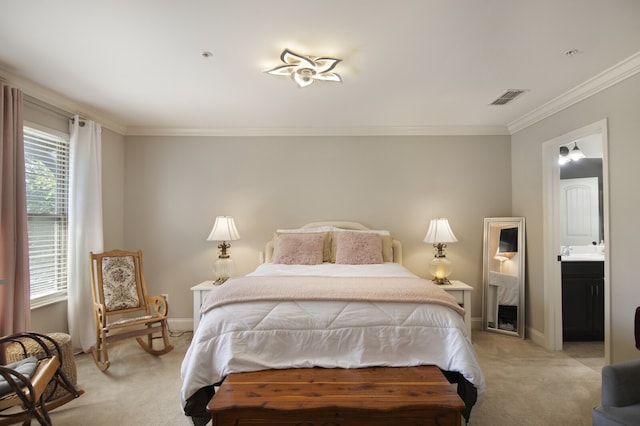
(378,396)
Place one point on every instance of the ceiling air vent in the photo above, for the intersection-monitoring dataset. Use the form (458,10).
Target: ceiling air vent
(508,96)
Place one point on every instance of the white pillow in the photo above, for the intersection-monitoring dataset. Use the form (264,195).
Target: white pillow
(370,231)
(305,230)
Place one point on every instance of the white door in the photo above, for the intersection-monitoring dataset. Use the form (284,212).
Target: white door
(579,211)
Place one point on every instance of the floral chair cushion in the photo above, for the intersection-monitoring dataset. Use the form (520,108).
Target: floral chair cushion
(119,283)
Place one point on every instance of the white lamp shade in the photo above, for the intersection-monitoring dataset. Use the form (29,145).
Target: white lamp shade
(224,229)
(439,232)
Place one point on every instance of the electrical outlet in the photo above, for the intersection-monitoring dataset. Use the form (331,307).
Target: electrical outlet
(166,297)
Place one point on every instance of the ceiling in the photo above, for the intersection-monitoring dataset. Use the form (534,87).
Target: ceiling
(408,66)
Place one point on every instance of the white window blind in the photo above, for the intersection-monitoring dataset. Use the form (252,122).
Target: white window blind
(47,182)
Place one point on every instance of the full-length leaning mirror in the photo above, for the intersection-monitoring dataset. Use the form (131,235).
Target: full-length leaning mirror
(503,275)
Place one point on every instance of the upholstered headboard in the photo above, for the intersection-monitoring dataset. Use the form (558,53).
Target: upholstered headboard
(356,226)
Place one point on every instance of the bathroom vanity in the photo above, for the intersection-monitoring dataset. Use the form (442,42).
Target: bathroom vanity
(582,299)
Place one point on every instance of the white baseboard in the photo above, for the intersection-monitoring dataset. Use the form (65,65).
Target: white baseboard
(180,324)
(536,336)
(476,324)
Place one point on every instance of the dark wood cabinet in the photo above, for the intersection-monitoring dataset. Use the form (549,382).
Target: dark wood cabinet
(582,301)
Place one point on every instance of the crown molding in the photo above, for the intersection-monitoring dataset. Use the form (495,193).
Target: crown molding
(60,101)
(613,75)
(324,131)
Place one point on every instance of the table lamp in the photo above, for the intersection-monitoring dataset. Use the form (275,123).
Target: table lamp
(224,229)
(439,234)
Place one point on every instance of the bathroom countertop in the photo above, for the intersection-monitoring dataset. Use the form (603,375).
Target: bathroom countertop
(583,257)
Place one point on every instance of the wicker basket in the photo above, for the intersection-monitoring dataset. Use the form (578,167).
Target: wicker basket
(14,352)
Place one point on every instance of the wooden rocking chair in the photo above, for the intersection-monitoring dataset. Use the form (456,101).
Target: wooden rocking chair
(27,385)
(119,290)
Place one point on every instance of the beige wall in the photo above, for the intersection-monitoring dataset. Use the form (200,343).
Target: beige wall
(620,104)
(176,186)
(113,189)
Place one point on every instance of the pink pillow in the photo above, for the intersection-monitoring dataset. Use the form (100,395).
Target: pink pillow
(299,249)
(358,248)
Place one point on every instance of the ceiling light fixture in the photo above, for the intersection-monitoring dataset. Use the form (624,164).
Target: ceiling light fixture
(304,70)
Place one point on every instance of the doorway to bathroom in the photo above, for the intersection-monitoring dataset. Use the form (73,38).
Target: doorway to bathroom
(575,230)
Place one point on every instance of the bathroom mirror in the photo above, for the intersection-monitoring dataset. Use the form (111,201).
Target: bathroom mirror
(503,275)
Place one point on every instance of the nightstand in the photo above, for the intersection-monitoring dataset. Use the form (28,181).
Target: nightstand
(199,291)
(462,293)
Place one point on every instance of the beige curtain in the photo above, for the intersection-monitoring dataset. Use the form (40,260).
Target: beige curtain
(15,311)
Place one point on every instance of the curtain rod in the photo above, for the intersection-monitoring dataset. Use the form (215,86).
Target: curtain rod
(46,106)
(52,108)
(81,121)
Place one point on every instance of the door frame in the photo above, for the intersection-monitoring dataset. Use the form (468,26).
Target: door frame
(551,234)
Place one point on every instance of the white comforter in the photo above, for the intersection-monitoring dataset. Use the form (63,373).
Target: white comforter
(272,335)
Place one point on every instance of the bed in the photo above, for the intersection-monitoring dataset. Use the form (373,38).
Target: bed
(331,295)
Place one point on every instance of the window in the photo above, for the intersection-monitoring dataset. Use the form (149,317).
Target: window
(47,180)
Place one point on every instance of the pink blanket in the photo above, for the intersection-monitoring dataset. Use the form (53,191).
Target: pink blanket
(362,289)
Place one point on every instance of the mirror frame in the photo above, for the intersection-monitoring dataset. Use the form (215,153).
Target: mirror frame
(490,247)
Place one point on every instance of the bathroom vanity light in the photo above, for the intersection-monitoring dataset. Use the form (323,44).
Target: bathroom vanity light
(438,234)
(576,153)
(566,155)
(564,158)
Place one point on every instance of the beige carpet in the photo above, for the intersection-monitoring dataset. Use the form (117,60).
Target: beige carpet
(526,385)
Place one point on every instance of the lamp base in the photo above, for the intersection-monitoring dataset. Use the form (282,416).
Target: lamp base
(440,268)
(224,268)
(220,281)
